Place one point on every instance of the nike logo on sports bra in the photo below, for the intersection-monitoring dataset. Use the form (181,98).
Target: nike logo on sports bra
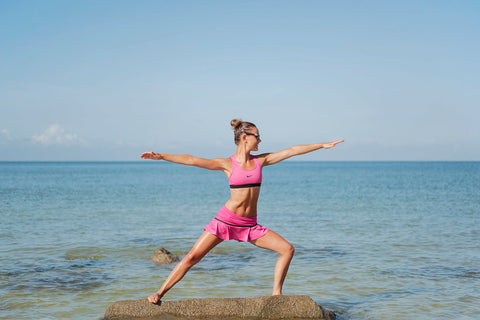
(243,178)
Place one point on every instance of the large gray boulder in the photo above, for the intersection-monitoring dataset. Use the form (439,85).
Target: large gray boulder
(163,256)
(269,307)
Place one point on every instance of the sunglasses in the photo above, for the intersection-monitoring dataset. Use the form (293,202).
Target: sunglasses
(253,134)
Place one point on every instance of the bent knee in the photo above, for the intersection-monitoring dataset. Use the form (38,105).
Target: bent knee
(192,259)
(289,250)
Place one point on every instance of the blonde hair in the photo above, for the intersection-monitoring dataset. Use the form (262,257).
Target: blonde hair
(240,127)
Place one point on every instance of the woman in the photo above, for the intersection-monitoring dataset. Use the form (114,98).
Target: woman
(238,217)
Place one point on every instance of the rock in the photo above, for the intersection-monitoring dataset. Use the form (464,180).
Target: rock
(268,307)
(163,256)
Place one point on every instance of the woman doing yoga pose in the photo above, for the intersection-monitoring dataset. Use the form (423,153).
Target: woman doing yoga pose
(237,219)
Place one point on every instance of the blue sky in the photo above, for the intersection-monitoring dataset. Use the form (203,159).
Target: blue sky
(107,80)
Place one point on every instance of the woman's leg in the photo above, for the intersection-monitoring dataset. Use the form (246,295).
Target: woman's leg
(273,241)
(204,244)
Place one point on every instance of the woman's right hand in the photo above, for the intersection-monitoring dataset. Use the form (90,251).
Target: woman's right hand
(151,155)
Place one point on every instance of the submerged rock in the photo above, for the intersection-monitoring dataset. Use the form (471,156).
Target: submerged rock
(163,256)
(271,307)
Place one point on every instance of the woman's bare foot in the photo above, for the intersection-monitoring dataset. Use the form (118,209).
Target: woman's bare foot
(155,298)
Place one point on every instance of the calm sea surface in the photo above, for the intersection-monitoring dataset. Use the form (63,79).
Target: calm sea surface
(374,240)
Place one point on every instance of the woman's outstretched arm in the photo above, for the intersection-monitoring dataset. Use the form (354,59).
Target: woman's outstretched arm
(276,157)
(189,160)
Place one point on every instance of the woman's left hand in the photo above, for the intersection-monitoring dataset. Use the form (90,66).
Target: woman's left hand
(329,145)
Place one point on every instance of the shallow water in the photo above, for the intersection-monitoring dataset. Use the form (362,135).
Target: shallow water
(374,240)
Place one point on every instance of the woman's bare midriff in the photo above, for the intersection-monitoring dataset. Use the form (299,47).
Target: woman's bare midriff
(243,202)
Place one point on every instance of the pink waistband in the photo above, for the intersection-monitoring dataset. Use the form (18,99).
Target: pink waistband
(231,218)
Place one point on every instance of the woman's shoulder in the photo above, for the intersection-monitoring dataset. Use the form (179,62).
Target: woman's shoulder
(261,157)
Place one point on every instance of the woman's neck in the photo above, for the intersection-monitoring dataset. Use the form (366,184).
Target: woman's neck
(242,155)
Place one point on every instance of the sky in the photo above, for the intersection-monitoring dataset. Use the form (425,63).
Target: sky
(98,80)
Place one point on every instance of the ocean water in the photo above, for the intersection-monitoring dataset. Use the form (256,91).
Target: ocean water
(374,240)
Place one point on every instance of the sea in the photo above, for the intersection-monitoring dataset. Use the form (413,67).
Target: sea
(373,240)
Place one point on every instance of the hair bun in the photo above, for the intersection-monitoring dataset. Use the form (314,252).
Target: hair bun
(235,123)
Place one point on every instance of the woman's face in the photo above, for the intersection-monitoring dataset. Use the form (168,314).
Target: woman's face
(252,138)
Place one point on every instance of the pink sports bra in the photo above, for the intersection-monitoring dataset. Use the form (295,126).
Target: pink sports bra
(241,178)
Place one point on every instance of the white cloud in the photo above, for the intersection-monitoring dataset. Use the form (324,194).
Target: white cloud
(56,135)
(4,133)
(5,136)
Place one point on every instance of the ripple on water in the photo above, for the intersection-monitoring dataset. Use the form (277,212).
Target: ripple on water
(318,253)
(436,272)
(61,274)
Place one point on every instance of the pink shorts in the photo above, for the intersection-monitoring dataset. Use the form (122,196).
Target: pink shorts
(228,226)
